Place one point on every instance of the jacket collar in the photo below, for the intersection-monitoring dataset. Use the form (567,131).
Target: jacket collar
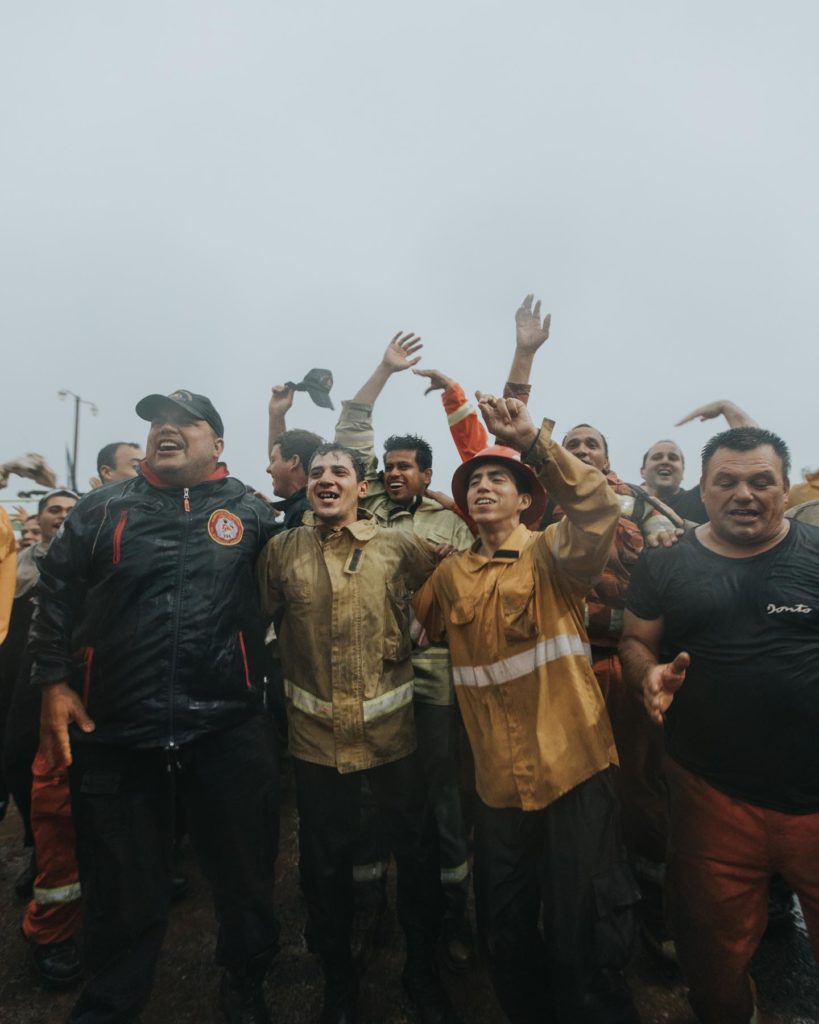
(364,528)
(285,504)
(517,541)
(219,473)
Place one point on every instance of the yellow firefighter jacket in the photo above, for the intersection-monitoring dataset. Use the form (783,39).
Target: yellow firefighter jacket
(531,705)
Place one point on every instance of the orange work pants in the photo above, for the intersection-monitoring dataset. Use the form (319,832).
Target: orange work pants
(54,913)
(723,853)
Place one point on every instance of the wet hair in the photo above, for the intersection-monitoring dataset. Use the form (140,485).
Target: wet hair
(746,439)
(298,442)
(411,442)
(664,440)
(588,426)
(107,456)
(58,492)
(351,453)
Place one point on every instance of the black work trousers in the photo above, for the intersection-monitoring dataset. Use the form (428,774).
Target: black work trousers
(125,812)
(567,863)
(329,815)
(437,729)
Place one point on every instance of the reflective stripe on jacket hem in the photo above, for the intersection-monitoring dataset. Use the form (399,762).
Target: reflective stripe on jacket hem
(374,708)
(518,665)
(62,894)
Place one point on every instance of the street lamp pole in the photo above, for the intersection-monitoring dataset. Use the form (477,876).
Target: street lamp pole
(78,401)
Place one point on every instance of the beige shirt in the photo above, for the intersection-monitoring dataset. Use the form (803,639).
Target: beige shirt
(530,702)
(341,604)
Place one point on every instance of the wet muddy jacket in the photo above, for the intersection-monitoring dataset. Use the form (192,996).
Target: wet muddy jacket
(531,705)
(147,607)
(341,605)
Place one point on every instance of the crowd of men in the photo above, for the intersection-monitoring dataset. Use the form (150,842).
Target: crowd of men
(591,703)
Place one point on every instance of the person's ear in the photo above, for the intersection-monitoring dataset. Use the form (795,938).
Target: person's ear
(363,487)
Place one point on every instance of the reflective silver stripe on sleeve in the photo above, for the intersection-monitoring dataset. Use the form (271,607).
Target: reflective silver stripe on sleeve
(388,702)
(307,702)
(62,894)
(517,665)
(460,414)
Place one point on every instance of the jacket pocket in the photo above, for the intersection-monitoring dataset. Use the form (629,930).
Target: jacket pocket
(397,643)
(462,611)
(615,893)
(517,598)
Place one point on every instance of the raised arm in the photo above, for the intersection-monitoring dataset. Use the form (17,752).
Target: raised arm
(580,543)
(399,355)
(643,671)
(734,416)
(281,399)
(530,334)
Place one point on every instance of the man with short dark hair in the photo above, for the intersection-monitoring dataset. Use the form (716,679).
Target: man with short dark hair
(118,461)
(148,645)
(398,498)
(338,590)
(547,838)
(722,638)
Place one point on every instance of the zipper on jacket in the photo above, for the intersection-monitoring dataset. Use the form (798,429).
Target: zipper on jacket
(244,658)
(180,576)
(123,519)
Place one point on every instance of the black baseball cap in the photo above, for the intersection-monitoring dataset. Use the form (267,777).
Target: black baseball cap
(198,407)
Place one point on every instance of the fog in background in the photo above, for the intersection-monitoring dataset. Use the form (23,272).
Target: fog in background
(219,196)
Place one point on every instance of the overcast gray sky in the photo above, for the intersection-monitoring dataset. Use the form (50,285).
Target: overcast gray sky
(219,196)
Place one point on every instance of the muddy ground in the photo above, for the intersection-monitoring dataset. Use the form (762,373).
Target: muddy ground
(787,977)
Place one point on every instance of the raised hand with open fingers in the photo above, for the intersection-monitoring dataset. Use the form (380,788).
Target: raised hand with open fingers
(401,352)
(530,333)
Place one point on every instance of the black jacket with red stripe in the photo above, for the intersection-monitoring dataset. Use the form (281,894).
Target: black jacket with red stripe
(147,606)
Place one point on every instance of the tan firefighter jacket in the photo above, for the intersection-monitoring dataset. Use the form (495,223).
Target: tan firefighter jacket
(341,605)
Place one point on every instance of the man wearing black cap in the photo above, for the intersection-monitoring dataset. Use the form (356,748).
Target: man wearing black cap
(148,645)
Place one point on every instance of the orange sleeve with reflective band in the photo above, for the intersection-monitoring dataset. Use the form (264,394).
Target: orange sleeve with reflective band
(468,432)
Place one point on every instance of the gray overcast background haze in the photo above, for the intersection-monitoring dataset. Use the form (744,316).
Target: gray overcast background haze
(218,196)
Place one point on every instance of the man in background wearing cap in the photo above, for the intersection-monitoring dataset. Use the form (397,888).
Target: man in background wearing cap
(547,834)
(147,644)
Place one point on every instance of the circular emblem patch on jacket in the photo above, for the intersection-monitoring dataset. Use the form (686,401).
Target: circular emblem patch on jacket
(224,527)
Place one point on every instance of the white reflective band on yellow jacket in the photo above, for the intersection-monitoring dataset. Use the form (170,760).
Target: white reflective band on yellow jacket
(62,894)
(519,665)
(371,709)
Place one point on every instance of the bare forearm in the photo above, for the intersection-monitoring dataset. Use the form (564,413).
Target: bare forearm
(521,369)
(276,426)
(369,391)
(737,417)
(637,658)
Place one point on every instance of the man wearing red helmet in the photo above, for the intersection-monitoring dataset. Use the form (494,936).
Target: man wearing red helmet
(547,835)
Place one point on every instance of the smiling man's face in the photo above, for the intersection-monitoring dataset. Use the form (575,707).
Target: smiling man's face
(663,469)
(182,451)
(404,479)
(333,489)
(744,494)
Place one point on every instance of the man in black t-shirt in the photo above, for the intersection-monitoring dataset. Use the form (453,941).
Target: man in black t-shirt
(722,636)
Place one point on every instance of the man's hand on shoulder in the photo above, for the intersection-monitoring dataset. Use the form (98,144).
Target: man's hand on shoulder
(660,684)
(60,707)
